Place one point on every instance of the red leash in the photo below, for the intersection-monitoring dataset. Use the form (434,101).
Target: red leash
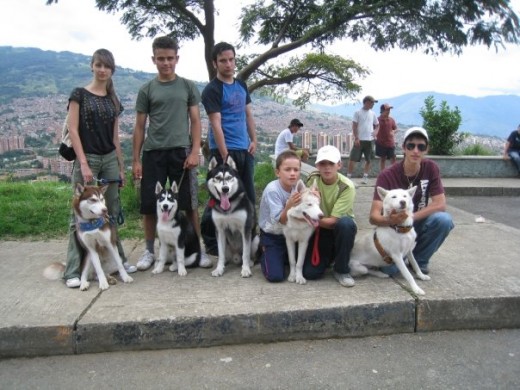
(315,259)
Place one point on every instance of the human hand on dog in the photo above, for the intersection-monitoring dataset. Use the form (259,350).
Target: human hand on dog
(293,200)
(397,218)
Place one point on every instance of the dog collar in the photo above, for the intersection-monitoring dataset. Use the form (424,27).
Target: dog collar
(401,229)
(93,224)
(387,259)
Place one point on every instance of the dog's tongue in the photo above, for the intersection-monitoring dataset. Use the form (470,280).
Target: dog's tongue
(224,202)
(164,215)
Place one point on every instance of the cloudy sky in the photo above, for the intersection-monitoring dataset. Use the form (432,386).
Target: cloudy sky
(78,26)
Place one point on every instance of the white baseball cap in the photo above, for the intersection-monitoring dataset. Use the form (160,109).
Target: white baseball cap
(328,153)
(416,130)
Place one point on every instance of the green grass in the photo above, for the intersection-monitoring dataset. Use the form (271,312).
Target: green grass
(477,150)
(41,210)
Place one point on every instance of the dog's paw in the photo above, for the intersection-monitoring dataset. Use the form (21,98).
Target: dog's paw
(300,279)
(182,271)
(84,286)
(419,291)
(111,280)
(127,279)
(173,267)
(219,271)
(246,272)
(292,277)
(103,285)
(158,269)
(423,276)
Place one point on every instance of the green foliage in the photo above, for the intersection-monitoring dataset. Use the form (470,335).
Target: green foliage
(442,125)
(41,210)
(264,174)
(280,27)
(477,150)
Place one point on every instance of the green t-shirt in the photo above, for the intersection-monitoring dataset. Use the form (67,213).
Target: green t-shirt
(167,104)
(337,200)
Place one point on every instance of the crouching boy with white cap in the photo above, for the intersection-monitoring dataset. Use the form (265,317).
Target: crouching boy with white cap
(332,242)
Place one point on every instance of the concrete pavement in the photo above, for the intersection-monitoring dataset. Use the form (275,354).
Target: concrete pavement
(475,285)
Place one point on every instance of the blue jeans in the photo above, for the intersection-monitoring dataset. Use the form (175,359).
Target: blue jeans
(334,246)
(273,257)
(431,233)
(515,157)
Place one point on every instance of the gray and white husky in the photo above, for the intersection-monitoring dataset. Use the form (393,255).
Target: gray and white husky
(233,215)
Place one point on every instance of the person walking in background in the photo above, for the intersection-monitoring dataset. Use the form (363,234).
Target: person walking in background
(170,148)
(93,124)
(333,241)
(385,139)
(284,141)
(431,221)
(232,128)
(512,148)
(364,130)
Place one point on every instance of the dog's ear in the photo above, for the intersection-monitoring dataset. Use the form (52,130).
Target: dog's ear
(412,190)
(212,163)
(103,188)
(229,161)
(78,189)
(174,188)
(158,188)
(382,192)
(300,186)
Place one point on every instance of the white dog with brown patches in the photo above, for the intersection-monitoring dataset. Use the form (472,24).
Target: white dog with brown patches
(389,244)
(97,235)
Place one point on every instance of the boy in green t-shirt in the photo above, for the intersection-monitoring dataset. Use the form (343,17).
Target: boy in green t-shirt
(337,229)
(171,144)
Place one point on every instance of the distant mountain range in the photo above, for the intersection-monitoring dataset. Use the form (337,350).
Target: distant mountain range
(490,115)
(31,72)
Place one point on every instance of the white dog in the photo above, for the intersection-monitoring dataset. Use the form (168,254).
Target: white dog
(389,244)
(302,220)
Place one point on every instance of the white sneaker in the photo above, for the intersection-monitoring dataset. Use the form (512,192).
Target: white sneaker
(364,180)
(344,279)
(205,261)
(146,261)
(130,269)
(73,282)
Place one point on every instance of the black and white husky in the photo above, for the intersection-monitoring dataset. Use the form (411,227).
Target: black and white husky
(177,238)
(233,216)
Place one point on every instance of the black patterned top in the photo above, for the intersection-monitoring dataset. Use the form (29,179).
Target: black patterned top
(96,121)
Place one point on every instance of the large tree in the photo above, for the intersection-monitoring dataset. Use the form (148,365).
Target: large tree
(292,36)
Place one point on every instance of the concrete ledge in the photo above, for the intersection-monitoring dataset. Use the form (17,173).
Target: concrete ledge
(451,166)
(345,321)
(18,341)
(469,313)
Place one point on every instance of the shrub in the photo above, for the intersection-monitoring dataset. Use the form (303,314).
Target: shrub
(477,150)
